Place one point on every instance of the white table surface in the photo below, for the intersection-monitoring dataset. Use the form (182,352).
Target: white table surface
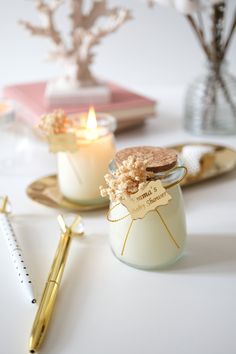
(107,307)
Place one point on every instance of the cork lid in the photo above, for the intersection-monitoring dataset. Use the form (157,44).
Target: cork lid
(162,159)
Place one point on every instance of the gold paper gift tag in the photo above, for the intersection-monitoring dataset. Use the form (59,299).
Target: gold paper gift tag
(147,199)
(62,142)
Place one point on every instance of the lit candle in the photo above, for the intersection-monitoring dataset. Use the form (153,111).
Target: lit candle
(81,173)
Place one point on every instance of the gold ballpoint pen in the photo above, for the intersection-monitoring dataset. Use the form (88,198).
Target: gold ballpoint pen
(48,299)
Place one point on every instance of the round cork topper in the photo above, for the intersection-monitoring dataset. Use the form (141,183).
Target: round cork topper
(162,159)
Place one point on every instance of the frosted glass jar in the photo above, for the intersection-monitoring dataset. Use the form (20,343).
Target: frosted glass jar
(157,240)
(80,173)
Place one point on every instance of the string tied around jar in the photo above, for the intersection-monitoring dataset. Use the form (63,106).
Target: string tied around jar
(159,214)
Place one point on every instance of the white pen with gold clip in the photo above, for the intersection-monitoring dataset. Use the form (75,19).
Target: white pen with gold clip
(15,251)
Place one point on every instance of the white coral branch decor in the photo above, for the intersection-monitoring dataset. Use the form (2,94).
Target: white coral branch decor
(88,28)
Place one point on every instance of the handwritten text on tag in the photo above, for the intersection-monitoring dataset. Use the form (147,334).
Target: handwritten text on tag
(147,199)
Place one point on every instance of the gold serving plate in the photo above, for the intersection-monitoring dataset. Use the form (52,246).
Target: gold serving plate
(216,163)
(45,191)
(222,160)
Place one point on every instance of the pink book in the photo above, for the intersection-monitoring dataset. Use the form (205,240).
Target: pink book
(128,107)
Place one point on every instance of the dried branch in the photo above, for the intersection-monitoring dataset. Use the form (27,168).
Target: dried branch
(201,26)
(218,13)
(199,34)
(230,35)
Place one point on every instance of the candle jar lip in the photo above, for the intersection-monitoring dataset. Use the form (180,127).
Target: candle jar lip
(106,121)
(169,177)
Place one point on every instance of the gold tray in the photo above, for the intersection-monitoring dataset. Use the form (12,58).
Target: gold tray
(216,163)
(45,191)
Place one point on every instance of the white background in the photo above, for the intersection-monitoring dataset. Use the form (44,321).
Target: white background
(105,306)
(157,48)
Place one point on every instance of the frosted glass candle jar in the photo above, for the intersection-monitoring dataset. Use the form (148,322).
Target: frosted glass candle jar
(81,173)
(158,239)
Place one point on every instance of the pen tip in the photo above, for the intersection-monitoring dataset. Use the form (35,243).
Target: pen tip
(33,302)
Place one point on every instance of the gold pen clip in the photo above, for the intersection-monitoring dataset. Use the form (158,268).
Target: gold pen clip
(76,227)
(5,207)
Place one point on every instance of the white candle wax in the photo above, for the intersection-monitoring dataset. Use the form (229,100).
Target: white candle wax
(149,244)
(81,173)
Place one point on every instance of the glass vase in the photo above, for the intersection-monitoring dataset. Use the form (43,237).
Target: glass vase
(210,106)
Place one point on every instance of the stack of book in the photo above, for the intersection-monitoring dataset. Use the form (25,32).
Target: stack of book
(129,108)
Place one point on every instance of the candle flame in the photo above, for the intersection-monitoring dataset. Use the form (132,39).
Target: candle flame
(91,119)
(91,124)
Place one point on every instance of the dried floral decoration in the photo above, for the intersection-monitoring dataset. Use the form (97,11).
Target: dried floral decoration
(55,123)
(130,176)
